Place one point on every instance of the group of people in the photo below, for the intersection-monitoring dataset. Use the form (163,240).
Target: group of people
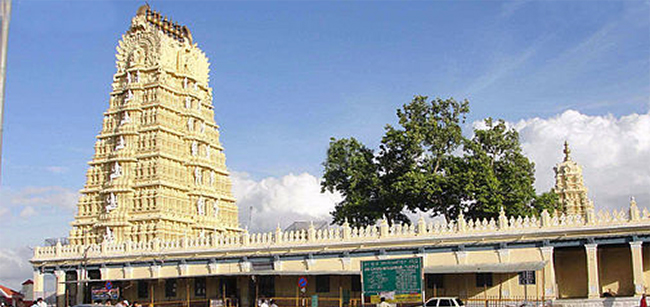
(122,303)
(267,303)
(40,302)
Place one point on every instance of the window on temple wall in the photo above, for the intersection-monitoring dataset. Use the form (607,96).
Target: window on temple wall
(143,289)
(266,286)
(94,275)
(435,281)
(322,283)
(170,288)
(483,280)
(355,283)
(527,278)
(199,286)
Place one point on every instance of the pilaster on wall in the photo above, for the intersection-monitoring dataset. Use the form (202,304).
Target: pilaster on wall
(593,290)
(60,287)
(504,257)
(636,248)
(38,284)
(549,272)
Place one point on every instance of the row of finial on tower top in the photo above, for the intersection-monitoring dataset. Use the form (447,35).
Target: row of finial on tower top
(567,151)
(165,24)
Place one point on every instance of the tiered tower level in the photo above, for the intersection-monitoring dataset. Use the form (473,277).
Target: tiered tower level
(159,170)
(569,186)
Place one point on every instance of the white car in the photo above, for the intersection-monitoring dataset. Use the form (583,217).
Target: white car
(444,301)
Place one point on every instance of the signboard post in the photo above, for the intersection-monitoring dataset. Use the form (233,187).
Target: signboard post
(396,280)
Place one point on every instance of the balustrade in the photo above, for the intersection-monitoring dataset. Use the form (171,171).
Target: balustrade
(345,233)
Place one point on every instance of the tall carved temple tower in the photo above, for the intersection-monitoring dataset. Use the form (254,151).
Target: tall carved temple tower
(570,187)
(158,170)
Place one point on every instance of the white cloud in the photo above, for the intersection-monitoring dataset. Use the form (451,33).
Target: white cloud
(281,200)
(614,153)
(57,169)
(27,212)
(28,200)
(14,266)
(46,196)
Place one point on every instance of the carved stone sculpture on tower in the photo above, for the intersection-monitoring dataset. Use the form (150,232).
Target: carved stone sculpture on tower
(215,208)
(125,119)
(200,206)
(129,96)
(111,203)
(198,176)
(116,171)
(108,236)
(190,124)
(120,143)
(195,148)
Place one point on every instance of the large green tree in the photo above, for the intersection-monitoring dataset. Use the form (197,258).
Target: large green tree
(427,164)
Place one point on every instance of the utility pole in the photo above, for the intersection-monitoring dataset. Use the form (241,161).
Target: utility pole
(5,16)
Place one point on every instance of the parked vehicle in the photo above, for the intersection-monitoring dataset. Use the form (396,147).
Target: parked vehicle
(443,301)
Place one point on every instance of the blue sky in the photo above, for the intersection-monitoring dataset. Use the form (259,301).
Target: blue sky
(287,76)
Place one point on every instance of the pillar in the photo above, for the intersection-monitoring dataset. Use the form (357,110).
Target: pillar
(637,267)
(60,288)
(593,290)
(548,272)
(506,287)
(81,276)
(39,284)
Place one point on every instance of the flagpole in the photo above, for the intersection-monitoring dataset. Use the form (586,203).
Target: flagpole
(5,16)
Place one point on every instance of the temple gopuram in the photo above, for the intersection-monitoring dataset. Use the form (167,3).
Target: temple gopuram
(157,223)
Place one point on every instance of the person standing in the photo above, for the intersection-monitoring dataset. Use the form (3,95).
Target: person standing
(643,303)
(383,303)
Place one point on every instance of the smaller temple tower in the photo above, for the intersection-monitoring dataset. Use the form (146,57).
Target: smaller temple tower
(570,187)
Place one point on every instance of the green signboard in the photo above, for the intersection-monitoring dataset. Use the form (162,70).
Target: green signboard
(397,280)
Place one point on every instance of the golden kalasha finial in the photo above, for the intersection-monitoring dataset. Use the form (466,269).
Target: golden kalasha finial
(567,151)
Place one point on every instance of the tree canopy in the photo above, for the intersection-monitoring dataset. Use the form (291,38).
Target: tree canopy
(427,164)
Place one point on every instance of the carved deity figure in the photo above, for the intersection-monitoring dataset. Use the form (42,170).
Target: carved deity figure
(137,76)
(211,178)
(188,102)
(215,208)
(185,83)
(196,86)
(116,171)
(202,127)
(125,119)
(111,203)
(128,78)
(195,148)
(207,152)
(190,124)
(138,57)
(120,143)
(129,96)
(200,206)
(198,176)
(108,236)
